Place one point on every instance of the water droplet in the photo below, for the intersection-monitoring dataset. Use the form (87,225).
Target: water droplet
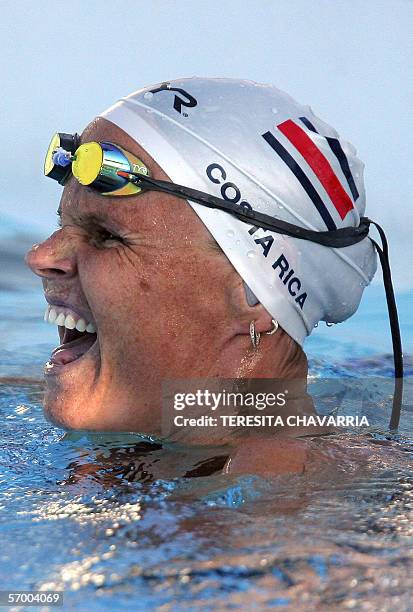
(251,254)
(328,324)
(148,95)
(280,206)
(230,233)
(274,110)
(315,324)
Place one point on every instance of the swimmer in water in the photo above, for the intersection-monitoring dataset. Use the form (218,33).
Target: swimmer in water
(148,282)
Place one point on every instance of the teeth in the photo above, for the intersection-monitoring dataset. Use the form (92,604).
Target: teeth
(60,319)
(81,325)
(70,323)
(57,316)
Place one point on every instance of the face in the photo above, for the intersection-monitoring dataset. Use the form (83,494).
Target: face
(144,277)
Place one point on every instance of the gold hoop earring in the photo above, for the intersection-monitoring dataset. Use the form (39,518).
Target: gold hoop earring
(254,335)
(274,328)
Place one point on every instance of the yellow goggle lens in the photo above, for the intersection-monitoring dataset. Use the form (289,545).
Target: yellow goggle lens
(88,163)
(48,162)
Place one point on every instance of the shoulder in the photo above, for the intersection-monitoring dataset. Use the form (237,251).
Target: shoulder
(269,456)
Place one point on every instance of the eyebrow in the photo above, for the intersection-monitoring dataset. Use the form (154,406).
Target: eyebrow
(86,218)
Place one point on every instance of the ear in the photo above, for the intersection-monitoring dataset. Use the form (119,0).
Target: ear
(247,308)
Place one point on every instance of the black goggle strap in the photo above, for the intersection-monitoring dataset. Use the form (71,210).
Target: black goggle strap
(383,252)
(337,238)
(334,238)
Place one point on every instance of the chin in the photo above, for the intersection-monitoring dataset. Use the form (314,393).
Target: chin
(65,408)
(72,372)
(86,389)
(69,400)
(75,406)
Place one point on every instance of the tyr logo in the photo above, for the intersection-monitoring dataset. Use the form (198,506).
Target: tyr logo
(189,102)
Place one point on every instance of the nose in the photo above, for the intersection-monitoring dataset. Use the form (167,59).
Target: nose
(53,258)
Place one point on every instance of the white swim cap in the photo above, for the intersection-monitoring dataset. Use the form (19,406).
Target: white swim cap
(254,145)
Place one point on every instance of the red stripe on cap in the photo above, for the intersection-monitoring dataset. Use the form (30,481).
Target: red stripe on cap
(319,164)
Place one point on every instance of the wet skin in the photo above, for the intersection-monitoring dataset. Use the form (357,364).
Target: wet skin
(166,302)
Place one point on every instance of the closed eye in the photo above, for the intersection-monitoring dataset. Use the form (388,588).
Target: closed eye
(103,238)
(100,236)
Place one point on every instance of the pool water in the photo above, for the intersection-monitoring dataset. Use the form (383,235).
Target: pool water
(72,518)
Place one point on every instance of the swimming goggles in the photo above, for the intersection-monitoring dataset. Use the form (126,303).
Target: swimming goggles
(112,171)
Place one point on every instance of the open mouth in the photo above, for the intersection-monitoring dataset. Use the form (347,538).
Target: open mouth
(76,335)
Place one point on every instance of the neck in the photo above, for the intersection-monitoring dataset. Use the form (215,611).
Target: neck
(276,365)
(277,356)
